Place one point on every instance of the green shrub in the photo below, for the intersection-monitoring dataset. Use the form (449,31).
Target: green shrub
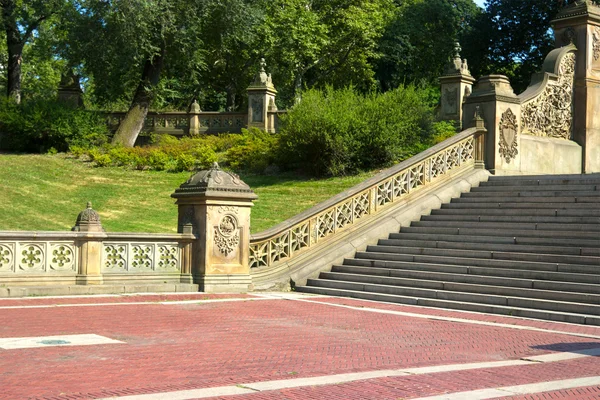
(255,151)
(39,125)
(336,132)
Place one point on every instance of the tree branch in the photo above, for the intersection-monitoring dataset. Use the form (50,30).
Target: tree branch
(34,26)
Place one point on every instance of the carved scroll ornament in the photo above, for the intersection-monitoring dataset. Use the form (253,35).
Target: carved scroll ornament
(551,113)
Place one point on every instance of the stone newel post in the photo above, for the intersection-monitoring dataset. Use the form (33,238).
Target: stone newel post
(89,244)
(261,100)
(215,205)
(457,85)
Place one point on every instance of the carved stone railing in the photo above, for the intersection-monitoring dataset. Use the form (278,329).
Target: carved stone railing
(178,123)
(284,241)
(52,255)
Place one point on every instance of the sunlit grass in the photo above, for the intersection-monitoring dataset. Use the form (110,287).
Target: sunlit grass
(43,192)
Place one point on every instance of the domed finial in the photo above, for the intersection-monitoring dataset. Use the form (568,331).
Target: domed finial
(263,65)
(89,205)
(457,50)
(88,220)
(215,166)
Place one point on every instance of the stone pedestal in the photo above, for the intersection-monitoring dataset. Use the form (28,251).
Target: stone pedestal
(501,110)
(89,245)
(457,85)
(261,101)
(580,24)
(216,204)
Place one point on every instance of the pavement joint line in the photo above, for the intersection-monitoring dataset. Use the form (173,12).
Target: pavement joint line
(453,319)
(530,388)
(83,296)
(136,303)
(323,380)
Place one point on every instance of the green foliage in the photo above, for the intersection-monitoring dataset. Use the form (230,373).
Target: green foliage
(443,130)
(38,125)
(253,150)
(337,132)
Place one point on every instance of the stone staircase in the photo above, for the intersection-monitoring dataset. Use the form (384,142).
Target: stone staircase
(525,246)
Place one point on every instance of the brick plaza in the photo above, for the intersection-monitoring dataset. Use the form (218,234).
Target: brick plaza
(278,346)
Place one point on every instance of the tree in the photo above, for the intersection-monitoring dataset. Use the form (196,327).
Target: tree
(20,19)
(128,46)
(319,42)
(421,39)
(512,37)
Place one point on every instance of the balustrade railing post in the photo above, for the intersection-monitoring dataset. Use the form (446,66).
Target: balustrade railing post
(217,205)
(89,244)
(194,117)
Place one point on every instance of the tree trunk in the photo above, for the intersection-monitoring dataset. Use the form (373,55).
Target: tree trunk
(131,126)
(15,46)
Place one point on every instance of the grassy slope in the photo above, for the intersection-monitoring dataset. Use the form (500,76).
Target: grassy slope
(40,192)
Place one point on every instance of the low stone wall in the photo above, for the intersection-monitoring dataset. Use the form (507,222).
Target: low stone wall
(70,258)
(541,155)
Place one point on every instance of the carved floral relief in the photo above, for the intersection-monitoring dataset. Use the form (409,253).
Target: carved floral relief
(508,130)
(227,236)
(551,113)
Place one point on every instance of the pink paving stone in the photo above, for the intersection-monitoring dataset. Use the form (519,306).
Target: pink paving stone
(179,347)
(410,387)
(501,319)
(584,393)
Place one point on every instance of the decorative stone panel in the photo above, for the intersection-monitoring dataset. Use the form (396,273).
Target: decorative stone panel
(134,257)
(508,130)
(7,257)
(41,257)
(551,113)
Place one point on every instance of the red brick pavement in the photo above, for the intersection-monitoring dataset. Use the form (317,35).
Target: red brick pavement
(410,387)
(188,346)
(585,393)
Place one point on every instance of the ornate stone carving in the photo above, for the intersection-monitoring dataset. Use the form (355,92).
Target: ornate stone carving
(551,113)
(115,257)
(6,257)
(450,97)
(62,257)
(227,236)
(32,257)
(168,257)
(569,36)
(508,130)
(142,255)
(596,43)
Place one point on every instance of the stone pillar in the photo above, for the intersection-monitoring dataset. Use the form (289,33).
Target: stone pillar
(501,111)
(69,90)
(195,119)
(261,100)
(457,85)
(216,204)
(89,244)
(579,24)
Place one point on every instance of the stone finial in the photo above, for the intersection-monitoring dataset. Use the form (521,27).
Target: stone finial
(478,121)
(195,108)
(457,66)
(262,79)
(214,183)
(88,221)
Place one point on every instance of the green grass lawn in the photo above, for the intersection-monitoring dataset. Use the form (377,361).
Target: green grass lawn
(45,193)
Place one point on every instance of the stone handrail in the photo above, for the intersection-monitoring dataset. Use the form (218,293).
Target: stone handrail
(340,212)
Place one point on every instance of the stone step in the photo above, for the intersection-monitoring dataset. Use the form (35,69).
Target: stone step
(521,202)
(530,180)
(371,259)
(476,246)
(529,193)
(457,305)
(545,212)
(471,297)
(498,255)
(573,292)
(513,218)
(508,225)
(497,239)
(514,271)
(543,188)
(500,232)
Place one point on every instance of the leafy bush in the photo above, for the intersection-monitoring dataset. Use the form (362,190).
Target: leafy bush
(40,125)
(336,132)
(255,151)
